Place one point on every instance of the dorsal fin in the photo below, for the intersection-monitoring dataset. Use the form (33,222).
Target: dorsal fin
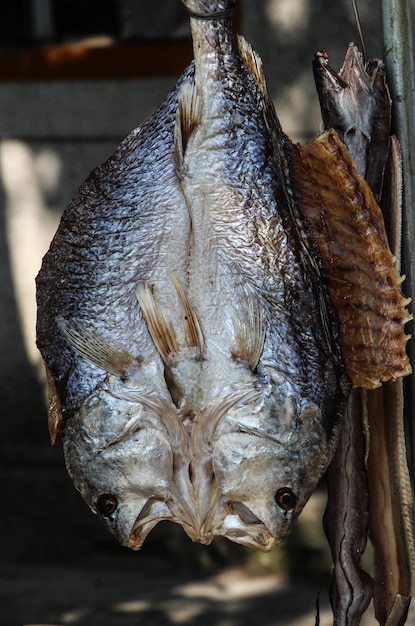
(253,62)
(188,115)
(249,328)
(89,344)
(193,332)
(161,330)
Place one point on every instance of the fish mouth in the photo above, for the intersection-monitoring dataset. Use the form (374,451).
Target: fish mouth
(244,527)
(152,513)
(240,526)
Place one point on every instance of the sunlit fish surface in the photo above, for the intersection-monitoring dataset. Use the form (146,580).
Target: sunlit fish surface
(193,357)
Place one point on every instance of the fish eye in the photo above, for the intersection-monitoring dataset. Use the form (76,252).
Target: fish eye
(286,498)
(106,504)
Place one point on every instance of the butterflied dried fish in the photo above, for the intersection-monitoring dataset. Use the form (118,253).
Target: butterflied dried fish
(184,318)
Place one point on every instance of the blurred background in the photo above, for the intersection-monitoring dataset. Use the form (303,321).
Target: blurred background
(75,78)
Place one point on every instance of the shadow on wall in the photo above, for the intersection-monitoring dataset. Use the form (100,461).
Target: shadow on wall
(44,514)
(24,449)
(20,391)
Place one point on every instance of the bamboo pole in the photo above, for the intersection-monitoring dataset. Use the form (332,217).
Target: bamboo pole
(399,60)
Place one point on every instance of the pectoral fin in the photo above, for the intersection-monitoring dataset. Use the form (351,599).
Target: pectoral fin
(89,344)
(249,329)
(161,329)
(192,329)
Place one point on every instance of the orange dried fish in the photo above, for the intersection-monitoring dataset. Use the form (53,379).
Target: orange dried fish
(349,230)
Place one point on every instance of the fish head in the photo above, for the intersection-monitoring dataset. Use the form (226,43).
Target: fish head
(267,467)
(122,464)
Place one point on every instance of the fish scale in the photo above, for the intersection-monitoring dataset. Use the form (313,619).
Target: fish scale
(109,237)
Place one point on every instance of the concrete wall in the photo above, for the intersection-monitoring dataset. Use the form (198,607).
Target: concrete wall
(51,135)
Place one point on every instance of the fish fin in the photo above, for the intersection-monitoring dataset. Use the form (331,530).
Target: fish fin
(193,332)
(253,62)
(90,345)
(161,330)
(249,328)
(55,420)
(188,116)
(348,228)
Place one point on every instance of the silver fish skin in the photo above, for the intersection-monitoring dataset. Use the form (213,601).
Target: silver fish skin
(184,319)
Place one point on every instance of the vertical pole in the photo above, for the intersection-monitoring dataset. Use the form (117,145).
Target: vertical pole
(399,61)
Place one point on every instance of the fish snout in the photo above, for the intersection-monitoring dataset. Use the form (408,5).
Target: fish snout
(242,526)
(153,512)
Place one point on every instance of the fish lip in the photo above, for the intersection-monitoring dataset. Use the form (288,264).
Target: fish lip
(199,536)
(152,513)
(253,535)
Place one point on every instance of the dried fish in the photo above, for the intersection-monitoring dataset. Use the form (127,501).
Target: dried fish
(185,315)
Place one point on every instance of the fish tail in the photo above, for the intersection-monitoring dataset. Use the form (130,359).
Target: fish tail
(210,9)
(211,26)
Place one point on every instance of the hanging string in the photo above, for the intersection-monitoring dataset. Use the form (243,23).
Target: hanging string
(359,29)
(215,15)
